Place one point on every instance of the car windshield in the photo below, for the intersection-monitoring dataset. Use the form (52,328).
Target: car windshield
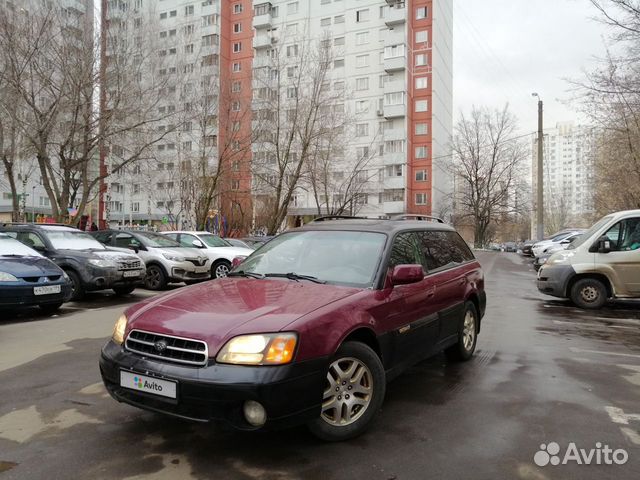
(341,258)
(151,239)
(73,240)
(13,248)
(213,240)
(584,236)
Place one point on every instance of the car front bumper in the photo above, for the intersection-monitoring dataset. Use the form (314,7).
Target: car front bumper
(554,279)
(22,295)
(185,271)
(291,394)
(99,278)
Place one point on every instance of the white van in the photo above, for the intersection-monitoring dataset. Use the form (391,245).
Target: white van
(603,263)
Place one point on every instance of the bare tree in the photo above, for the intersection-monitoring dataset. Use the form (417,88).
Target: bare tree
(486,162)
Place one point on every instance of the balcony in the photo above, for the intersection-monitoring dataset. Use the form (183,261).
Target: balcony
(395,84)
(263,41)
(261,61)
(394,182)
(395,134)
(262,21)
(394,158)
(395,64)
(396,36)
(395,16)
(393,207)
(395,111)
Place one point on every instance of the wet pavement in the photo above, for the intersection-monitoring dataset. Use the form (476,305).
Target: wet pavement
(543,372)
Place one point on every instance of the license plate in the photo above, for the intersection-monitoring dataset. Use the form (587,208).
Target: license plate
(131,273)
(48,290)
(143,383)
(202,269)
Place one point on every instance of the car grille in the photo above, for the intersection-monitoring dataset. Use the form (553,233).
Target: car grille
(198,262)
(176,349)
(129,264)
(50,278)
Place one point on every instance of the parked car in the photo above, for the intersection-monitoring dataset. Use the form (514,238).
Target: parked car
(527,248)
(89,265)
(166,260)
(603,263)
(257,241)
(540,246)
(219,251)
(237,242)
(308,329)
(28,279)
(561,245)
(510,247)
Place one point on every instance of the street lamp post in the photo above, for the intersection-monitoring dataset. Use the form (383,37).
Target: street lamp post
(33,204)
(540,195)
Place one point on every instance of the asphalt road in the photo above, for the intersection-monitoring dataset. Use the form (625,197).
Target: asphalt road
(544,372)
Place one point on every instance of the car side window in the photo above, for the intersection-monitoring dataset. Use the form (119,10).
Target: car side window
(103,237)
(123,240)
(443,249)
(172,236)
(187,240)
(462,252)
(30,239)
(404,250)
(625,235)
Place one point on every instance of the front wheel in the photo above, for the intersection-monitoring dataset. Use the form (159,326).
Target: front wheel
(77,290)
(155,279)
(467,336)
(220,269)
(353,393)
(589,293)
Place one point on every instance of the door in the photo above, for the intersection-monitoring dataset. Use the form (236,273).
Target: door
(442,262)
(408,314)
(623,261)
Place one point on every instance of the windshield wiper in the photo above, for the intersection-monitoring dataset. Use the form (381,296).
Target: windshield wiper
(242,273)
(12,255)
(295,276)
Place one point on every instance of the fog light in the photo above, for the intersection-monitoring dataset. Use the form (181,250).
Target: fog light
(254,413)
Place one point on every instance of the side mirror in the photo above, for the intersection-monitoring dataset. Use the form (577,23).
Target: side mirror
(197,243)
(604,245)
(134,246)
(237,261)
(39,248)
(405,274)
(566,242)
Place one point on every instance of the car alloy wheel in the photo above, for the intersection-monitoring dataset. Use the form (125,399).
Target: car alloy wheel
(464,348)
(221,269)
(155,279)
(348,391)
(469,331)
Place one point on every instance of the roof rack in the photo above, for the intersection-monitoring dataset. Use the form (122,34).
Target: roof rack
(337,217)
(413,216)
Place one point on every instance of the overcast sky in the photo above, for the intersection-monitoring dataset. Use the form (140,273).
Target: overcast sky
(506,49)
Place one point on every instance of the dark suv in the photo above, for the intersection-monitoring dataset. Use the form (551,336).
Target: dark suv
(308,329)
(89,265)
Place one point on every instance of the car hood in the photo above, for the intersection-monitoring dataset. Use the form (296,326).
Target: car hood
(229,252)
(103,254)
(29,266)
(217,310)
(185,252)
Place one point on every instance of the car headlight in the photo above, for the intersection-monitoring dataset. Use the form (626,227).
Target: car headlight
(173,257)
(543,260)
(559,257)
(261,349)
(119,328)
(7,277)
(101,262)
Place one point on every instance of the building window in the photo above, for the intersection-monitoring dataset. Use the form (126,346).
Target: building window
(422,36)
(422,129)
(393,170)
(235,106)
(188,48)
(208,40)
(421,152)
(235,166)
(237,8)
(394,146)
(362,106)
(235,184)
(362,61)
(292,50)
(325,22)
(237,27)
(237,67)
(362,129)
(236,86)
(209,20)
(237,47)
(421,82)
(422,106)
(394,51)
(394,98)
(163,15)
(188,10)
(338,41)
(421,60)
(362,15)
(362,83)
(394,195)
(338,19)
(362,38)
(422,13)
(338,63)
(292,8)
(421,198)
(421,175)
(173,13)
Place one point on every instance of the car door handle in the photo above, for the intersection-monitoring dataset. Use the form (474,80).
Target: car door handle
(431,292)
(462,281)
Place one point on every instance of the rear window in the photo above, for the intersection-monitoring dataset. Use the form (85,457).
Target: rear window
(443,249)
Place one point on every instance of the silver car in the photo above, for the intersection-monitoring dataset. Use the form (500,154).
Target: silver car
(167,261)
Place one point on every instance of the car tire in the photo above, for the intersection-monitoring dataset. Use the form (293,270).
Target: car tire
(50,307)
(366,383)
(77,290)
(220,269)
(467,336)
(155,279)
(589,293)
(124,290)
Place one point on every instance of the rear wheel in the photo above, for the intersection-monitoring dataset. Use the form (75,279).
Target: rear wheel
(353,393)
(124,290)
(156,278)
(50,307)
(467,336)
(77,291)
(589,293)
(220,269)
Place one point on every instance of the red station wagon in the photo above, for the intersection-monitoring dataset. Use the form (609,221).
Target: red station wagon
(308,329)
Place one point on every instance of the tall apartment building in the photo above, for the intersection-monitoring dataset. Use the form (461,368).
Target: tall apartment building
(393,61)
(569,173)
